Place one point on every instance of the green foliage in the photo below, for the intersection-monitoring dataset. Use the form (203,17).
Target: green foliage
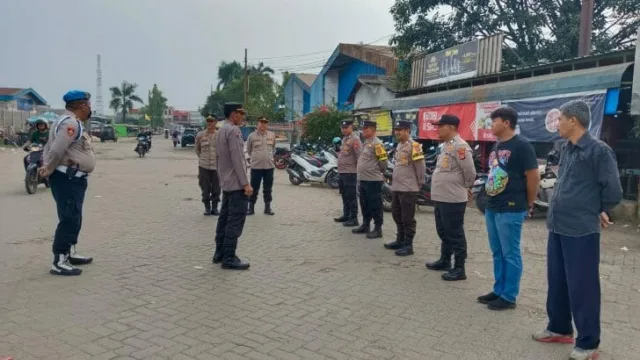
(228,72)
(263,99)
(402,76)
(537,30)
(156,106)
(323,124)
(123,97)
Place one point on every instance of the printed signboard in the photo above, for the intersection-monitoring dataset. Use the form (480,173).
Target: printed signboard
(455,63)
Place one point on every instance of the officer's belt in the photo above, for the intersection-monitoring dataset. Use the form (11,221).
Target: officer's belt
(79,174)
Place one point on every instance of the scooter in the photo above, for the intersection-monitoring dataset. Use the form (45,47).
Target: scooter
(306,168)
(142,147)
(33,161)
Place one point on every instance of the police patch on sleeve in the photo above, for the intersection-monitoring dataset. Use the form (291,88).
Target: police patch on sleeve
(416,152)
(381,154)
(462,153)
(71,131)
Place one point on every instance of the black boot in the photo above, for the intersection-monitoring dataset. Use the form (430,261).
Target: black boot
(207,208)
(251,208)
(442,264)
(362,229)
(457,273)
(351,223)
(376,233)
(76,259)
(234,263)
(61,266)
(267,209)
(217,256)
(395,245)
(344,216)
(214,209)
(407,247)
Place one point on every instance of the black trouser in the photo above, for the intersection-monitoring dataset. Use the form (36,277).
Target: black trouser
(233,213)
(403,209)
(371,202)
(347,183)
(266,177)
(68,194)
(210,185)
(450,228)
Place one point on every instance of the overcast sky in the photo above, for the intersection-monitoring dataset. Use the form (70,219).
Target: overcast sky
(51,45)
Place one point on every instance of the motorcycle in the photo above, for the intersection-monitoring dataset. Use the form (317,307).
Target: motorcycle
(309,168)
(142,147)
(281,158)
(33,161)
(175,140)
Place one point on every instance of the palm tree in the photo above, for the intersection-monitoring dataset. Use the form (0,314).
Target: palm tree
(122,98)
(228,72)
(261,69)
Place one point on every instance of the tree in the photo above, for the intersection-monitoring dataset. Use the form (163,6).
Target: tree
(261,69)
(323,124)
(122,98)
(538,31)
(228,72)
(156,106)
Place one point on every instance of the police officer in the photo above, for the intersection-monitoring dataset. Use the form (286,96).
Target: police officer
(260,146)
(232,172)
(68,160)
(371,166)
(207,166)
(408,177)
(453,177)
(347,171)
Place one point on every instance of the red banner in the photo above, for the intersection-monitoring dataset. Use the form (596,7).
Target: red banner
(465,112)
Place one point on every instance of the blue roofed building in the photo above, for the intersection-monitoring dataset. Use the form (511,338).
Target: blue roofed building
(340,74)
(19,99)
(297,96)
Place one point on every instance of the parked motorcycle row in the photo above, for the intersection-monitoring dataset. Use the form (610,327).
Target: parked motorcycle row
(307,163)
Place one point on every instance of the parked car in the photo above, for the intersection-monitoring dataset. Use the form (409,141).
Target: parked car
(188,137)
(108,133)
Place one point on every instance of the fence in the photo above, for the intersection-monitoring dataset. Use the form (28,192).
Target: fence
(12,121)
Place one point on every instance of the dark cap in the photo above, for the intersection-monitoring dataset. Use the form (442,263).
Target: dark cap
(211,117)
(263,119)
(402,124)
(231,107)
(346,123)
(448,119)
(369,123)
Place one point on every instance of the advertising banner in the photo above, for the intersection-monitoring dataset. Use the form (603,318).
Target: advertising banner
(383,122)
(483,123)
(459,62)
(408,115)
(538,118)
(465,112)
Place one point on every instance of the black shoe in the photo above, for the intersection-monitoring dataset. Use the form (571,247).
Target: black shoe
(267,209)
(393,245)
(405,250)
(234,263)
(350,223)
(214,209)
(251,209)
(500,304)
(340,219)
(375,234)
(362,229)
(217,257)
(456,274)
(440,265)
(207,208)
(485,299)
(77,259)
(61,266)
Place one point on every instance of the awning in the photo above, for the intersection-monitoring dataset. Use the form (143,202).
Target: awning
(600,78)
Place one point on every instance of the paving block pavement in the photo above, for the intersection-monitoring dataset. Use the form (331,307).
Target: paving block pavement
(314,290)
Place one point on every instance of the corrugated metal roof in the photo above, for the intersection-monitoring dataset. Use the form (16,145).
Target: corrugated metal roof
(9,91)
(307,78)
(554,84)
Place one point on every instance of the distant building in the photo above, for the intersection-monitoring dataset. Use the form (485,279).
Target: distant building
(20,99)
(297,96)
(340,74)
(371,91)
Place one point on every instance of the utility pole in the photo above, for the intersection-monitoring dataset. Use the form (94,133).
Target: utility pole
(246,80)
(586,21)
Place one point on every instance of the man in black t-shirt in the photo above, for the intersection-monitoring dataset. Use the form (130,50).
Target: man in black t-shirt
(512,187)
